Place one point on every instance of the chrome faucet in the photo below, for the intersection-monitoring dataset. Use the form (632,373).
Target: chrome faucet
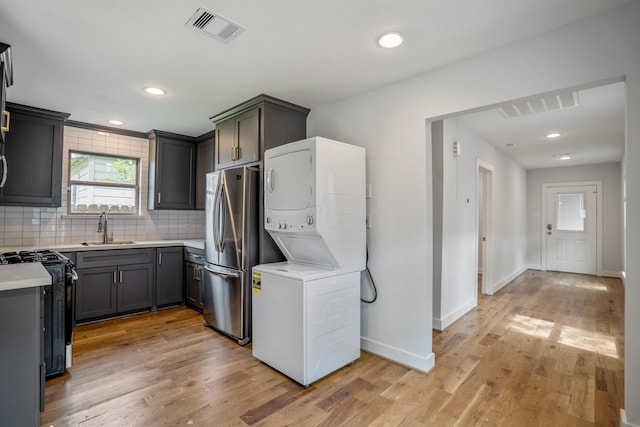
(102,227)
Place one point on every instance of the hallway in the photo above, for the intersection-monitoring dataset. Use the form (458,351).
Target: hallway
(548,349)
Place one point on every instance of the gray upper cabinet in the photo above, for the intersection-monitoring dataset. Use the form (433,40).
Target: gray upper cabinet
(238,139)
(245,131)
(33,151)
(204,165)
(172,163)
(6,80)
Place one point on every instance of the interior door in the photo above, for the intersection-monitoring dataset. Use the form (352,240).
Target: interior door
(571,229)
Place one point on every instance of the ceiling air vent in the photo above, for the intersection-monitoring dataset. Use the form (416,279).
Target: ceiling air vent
(214,25)
(539,104)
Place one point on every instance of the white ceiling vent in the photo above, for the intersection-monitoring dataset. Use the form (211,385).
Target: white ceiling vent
(539,104)
(214,25)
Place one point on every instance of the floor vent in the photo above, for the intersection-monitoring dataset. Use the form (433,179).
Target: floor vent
(214,25)
(536,105)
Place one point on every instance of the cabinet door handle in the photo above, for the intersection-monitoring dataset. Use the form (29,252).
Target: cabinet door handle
(159,258)
(120,276)
(238,152)
(7,114)
(115,279)
(159,198)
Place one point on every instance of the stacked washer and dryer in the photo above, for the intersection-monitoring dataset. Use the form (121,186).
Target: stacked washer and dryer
(306,311)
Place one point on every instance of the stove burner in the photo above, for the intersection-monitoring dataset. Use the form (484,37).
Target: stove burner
(43,255)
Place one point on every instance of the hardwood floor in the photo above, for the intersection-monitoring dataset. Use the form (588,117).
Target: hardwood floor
(547,350)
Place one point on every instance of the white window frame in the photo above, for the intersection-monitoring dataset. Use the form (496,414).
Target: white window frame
(135,187)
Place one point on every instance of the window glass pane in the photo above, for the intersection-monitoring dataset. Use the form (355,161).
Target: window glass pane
(570,212)
(102,169)
(93,199)
(103,183)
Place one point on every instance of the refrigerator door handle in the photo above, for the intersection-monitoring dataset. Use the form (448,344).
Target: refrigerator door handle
(217,200)
(222,273)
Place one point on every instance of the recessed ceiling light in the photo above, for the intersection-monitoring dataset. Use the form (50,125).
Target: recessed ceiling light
(102,133)
(154,91)
(553,135)
(564,156)
(116,122)
(389,40)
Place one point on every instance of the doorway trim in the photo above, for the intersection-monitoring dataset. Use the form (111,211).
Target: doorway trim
(599,225)
(487,194)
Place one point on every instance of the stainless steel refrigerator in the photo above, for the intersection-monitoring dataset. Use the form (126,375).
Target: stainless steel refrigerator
(232,229)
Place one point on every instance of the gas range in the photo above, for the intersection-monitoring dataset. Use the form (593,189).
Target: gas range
(45,256)
(58,304)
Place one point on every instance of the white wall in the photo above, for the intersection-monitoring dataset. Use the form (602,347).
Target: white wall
(456,285)
(610,174)
(390,124)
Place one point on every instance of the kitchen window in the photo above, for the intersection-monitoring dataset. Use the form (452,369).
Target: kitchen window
(103,183)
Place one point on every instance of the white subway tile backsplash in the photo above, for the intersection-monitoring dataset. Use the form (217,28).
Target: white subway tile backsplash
(26,226)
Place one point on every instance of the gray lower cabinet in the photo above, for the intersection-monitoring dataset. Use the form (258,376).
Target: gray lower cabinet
(194,260)
(193,273)
(22,358)
(169,277)
(113,282)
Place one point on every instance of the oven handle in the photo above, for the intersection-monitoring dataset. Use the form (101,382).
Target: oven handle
(73,275)
(3,180)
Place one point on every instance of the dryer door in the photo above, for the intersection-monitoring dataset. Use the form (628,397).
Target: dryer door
(289,181)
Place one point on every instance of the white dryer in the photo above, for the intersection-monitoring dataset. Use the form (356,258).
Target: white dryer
(306,311)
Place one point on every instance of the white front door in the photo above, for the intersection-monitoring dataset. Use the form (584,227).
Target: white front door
(571,229)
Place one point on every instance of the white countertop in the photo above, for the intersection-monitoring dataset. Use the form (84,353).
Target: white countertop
(20,276)
(78,247)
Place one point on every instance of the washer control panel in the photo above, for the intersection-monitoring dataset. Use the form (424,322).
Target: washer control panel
(290,223)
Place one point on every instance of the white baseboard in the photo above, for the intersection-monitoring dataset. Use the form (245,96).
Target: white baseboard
(608,273)
(403,357)
(502,283)
(623,420)
(535,267)
(441,324)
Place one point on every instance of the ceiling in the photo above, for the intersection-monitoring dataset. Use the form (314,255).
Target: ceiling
(591,131)
(92,58)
